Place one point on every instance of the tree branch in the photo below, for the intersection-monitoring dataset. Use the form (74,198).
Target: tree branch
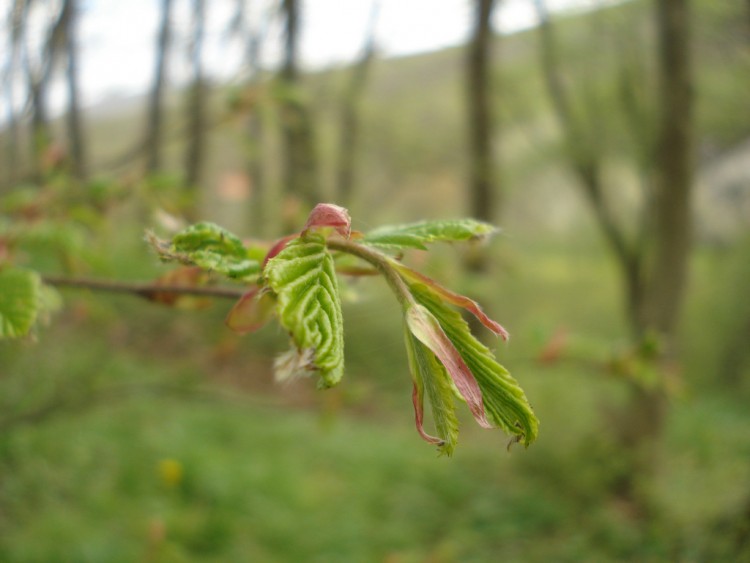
(144,289)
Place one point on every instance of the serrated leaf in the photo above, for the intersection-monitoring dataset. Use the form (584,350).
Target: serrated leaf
(445,294)
(430,376)
(427,329)
(214,249)
(504,401)
(303,277)
(19,301)
(418,235)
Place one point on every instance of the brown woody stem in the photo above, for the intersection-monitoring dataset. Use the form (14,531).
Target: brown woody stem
(142,289)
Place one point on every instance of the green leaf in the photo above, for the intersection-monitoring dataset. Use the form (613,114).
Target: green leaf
(504,401)
(417,235)
(429,375)
(303,277)
(212,248)
(20,292)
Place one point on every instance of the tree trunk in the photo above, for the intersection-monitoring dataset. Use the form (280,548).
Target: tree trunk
(75,127)
(12,135)
(194,156)
(350,117)
(301,166)
(674,170)
(155,125)
(482,180)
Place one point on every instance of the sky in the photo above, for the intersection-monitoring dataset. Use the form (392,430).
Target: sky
(117,37)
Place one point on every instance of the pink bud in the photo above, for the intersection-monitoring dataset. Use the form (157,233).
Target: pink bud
(330,215)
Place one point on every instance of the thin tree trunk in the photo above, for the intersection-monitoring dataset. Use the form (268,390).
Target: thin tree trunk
(674,170)
(350,116)
(667,277)
(194,157)
(301,166)
(16,17)
(155,124)
(75,127)
(483,188)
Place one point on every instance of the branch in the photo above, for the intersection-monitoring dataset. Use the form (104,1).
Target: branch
(144,289)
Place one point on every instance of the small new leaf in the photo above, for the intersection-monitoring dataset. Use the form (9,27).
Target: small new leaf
(213,249)
(20,297)
(505,403)
(418,235)
(252,311)
(430,376)
(303,277)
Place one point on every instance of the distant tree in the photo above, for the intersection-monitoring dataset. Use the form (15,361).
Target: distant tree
(480,112)
(653,262)
(251,35)
(350,114)
(16,25)
(482,181)
(37,78)
(301,161)
(196,104)
(155,123)
(68,28)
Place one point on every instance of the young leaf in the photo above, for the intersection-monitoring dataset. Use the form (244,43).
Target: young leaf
(418,235)
(430,375)
(252,311)
(304,280)
(211,248)
(504,401)
(426,328)
(185,276)
(20,295)
(453,298)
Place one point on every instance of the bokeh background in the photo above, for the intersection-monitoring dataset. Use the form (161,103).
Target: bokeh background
(610,141)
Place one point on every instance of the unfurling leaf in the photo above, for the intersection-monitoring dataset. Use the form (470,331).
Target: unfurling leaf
(426,328)
(214,249)
(418,235)
(252,311)
(303,278)
(445,294)
(20,295)
(504,401)
(429,375)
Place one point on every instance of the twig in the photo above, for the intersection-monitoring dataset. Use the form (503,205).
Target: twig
(144,289)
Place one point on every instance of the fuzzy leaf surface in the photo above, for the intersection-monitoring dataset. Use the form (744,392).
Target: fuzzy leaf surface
(418,235)
(20,296)
(505,402)
(215,249)
(303,277)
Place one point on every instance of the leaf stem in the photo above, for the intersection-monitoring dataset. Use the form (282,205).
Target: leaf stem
(383,263)
(143,289)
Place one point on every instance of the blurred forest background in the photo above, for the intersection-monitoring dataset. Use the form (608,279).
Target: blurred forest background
(611,145)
